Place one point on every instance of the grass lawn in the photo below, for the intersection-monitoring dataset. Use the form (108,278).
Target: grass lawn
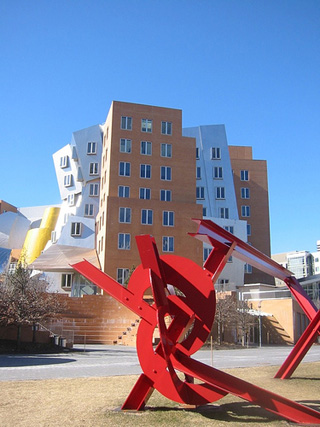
(97,401)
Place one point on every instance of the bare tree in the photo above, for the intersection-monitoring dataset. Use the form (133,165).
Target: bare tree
(245,321)
(24,300)
(226,313)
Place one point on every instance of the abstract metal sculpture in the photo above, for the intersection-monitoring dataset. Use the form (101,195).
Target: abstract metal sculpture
(191,314)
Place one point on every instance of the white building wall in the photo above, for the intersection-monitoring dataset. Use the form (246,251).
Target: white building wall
(80,196)
(216,172)
(80,203)
(208,138)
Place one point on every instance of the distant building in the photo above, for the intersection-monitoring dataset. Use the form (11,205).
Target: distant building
(300,263)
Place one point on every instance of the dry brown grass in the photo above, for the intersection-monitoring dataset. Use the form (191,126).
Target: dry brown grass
(96,402)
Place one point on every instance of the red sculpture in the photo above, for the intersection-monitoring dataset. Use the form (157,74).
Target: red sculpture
(191,315)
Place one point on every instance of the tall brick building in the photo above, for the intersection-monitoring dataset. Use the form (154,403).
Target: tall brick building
(147,186)
(251,189)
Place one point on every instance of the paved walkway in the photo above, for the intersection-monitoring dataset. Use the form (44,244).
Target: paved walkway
(103,360)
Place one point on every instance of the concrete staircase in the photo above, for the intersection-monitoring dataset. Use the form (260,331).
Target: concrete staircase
(96,319)
(276,333)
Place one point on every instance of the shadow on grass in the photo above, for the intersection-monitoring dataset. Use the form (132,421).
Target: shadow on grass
(236,412)
(241,412)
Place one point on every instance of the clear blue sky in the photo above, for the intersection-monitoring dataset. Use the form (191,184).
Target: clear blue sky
(252,65)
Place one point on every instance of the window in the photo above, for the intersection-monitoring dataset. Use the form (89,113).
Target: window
(245,193)
(146,216)
(145,193)
(224,213)
(248,268)
(66,280)
(198,172)
(145,171)
(88,209)
(146,125)
(204,211)
(206,253)
(92,148)
(245,211)
(94,168)
(53,236)
(166,150)
(168,218)
(215,153)
(67,180)
(125,145)
(70,199)
(126,123)
(220,193)
(76,229)
(123,191)
(197,153)
(248,229)
(229,228)
(124,241)
(94,190)
(124,168)
(165,195)
(244,175)
(125,215)
(217,172)
(122,275)
(165,173)
(146,148)
(166,128)
(167,244)
(200,193)
(64,161)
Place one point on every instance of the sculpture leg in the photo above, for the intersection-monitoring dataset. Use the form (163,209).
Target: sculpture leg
(139,395)
(300,349)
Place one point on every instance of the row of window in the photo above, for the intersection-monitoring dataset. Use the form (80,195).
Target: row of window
(124,242)
(125,215)
(145,148)
(146,125)
(144,193)
(218,173)
(220,193)
(145,171)
(123,274)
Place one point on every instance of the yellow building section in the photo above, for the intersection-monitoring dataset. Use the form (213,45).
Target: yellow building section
(37,238)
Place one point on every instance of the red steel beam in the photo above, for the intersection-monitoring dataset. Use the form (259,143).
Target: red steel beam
(219,238)
(300,349)
(266,399)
